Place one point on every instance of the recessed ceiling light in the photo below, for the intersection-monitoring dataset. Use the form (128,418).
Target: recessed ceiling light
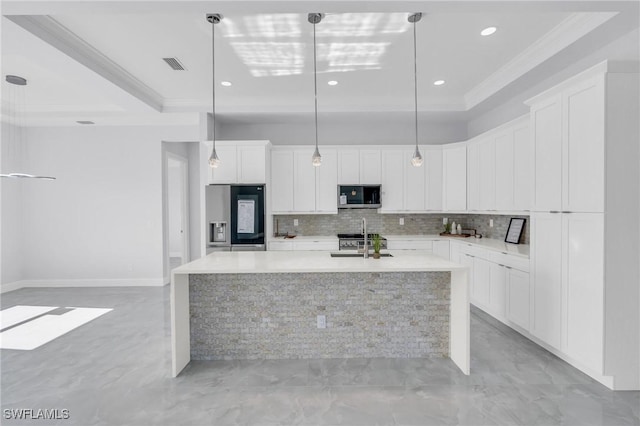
(332,83)
(488,31)
(438,82)
(225,83)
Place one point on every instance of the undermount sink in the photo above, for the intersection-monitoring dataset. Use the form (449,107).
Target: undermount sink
(351,254)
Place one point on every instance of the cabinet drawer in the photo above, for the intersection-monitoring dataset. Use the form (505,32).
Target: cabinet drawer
(315,245)
(280,245)
(472,250)
(509,260)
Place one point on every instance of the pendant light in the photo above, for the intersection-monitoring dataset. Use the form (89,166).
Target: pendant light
(213,19)
(16,128)
(416,160)
(315,18)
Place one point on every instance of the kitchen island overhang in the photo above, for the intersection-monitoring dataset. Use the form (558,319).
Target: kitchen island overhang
(390,281)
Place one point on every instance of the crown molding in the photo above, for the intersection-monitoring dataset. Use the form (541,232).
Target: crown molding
(60,37)
(567,32)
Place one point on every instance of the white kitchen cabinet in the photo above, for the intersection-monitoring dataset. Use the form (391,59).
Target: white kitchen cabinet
(504,171)
(321,245)
(518,298)
(546,260)
(473,175)
(327,183)
(546,125)
(488,175)
(414,182)
(348,166)
(286,245)
(240,162)
(455,178)
(522,169)
(251,164)
(227,170)
(497,290)
(370,167)
(304,182)
(281,181)
(433,175)
(480,291)
(393,180)
(442,249)
(409,244)
(583,277)
(583,146)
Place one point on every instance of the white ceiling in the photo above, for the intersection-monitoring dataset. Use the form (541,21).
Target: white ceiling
(107,67)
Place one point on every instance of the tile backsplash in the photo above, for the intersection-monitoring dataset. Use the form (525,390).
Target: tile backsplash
(349,221)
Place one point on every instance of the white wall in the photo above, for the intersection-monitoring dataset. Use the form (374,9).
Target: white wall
(346,129)
(12,155)
(100,222)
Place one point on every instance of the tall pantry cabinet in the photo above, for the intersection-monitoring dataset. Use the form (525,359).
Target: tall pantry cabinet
(584,223)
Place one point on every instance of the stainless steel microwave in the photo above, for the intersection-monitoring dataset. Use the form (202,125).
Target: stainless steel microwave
(359,197)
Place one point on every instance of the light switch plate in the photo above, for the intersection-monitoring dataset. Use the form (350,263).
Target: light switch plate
(295,222)
(491,223)
(322,321)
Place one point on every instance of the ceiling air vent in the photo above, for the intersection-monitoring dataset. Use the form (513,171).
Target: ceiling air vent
(85,122)
(174,63)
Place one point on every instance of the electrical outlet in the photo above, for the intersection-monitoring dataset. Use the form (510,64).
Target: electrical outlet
(402,221)
(322,321)
(445,220)
(295,222)
(491,223)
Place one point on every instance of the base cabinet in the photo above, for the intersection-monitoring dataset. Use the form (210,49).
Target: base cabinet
(518,298)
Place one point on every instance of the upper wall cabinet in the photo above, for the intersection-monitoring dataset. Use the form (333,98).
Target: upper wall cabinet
(499,169)
(454,160)
(240,161)
(359,166)
(569,142)
(299,187)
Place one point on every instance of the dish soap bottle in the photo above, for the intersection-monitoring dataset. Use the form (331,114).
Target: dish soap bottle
(453,228)
(459,230)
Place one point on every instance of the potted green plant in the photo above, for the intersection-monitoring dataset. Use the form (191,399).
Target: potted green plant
(377,243)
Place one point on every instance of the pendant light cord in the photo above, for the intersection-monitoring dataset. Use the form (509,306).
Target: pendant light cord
(415,81)
(315,82)
(213,56)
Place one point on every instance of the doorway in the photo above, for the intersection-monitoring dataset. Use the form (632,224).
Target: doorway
(178,209)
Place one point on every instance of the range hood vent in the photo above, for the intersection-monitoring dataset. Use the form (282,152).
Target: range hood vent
(174,63)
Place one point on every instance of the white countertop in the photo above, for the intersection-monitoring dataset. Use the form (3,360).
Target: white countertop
(258,262)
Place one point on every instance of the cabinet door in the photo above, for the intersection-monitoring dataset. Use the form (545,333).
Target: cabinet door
(473,176)
(455,178)
(518,297)
(370,168)
(304,182)
(281,181)
(433,175)
(583,172)
(505,172)
(481,282)
(546,124)
(488,175)
(584,278)
(348,167)
(327,182)
(393,166)
(465,260)
(414,183)
(546,252)
(522,163)
(251,164)
(497,290)
(442,249)
(227,170)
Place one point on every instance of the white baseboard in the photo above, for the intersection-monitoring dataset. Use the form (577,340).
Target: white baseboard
(117,282)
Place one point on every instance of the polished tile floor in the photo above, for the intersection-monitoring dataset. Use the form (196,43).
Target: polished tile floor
(114,371)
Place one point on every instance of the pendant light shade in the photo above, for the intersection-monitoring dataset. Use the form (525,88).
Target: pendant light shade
(416,160)
(213,19)
(315,18)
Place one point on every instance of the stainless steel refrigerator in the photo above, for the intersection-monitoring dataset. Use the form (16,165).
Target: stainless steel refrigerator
(235,218)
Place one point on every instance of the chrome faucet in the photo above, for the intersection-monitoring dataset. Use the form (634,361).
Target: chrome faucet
(366,242)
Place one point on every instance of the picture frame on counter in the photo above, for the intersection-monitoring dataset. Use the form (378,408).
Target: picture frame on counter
(516,225)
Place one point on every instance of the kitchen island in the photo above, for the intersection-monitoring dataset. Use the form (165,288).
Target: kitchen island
(270,305)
